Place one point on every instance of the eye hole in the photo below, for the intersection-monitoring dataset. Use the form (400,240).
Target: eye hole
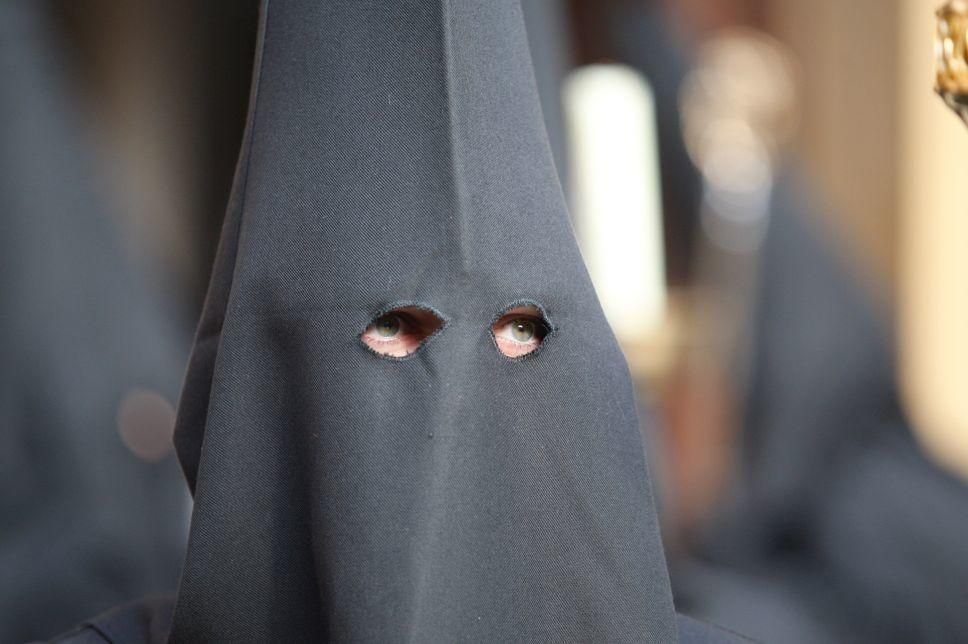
(400,332)
(520,331)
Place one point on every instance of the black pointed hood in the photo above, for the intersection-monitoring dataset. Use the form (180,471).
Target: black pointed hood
(395,155)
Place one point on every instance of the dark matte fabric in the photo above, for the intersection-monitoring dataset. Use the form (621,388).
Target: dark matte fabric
(820,384)
(395,153)
(841,528)
(146,620)
(822,378)
(84,523)
(693,631)
(546,22)
(86,635)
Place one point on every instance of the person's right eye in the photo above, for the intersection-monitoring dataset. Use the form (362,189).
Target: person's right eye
(519,331)
(400,332)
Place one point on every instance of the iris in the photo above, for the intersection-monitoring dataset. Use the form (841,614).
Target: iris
(522,329)
(387,326)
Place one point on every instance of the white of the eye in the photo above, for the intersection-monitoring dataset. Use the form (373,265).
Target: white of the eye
(506,332)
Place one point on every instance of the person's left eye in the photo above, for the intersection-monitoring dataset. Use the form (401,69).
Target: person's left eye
(519,331)
(400,332)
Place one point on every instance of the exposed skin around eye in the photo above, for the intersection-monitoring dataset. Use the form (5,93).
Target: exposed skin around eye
(400,332)
(519,331)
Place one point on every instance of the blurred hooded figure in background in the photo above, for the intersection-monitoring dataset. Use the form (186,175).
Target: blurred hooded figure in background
(405,417)
(838,527)
(89,515)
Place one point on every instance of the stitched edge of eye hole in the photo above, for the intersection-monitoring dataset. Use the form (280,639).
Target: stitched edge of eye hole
(399,307)
(550,329)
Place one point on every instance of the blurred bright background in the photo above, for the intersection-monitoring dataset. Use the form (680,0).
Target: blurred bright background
(686,133)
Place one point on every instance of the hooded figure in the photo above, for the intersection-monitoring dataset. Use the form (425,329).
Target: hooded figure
(89,516)
(406,418)
(396,162)
(840,528)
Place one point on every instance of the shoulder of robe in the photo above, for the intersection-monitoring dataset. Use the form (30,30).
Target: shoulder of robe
(692,631)
(145,621)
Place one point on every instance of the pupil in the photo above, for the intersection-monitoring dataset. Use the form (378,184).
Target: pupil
(522,330)
(388,326)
